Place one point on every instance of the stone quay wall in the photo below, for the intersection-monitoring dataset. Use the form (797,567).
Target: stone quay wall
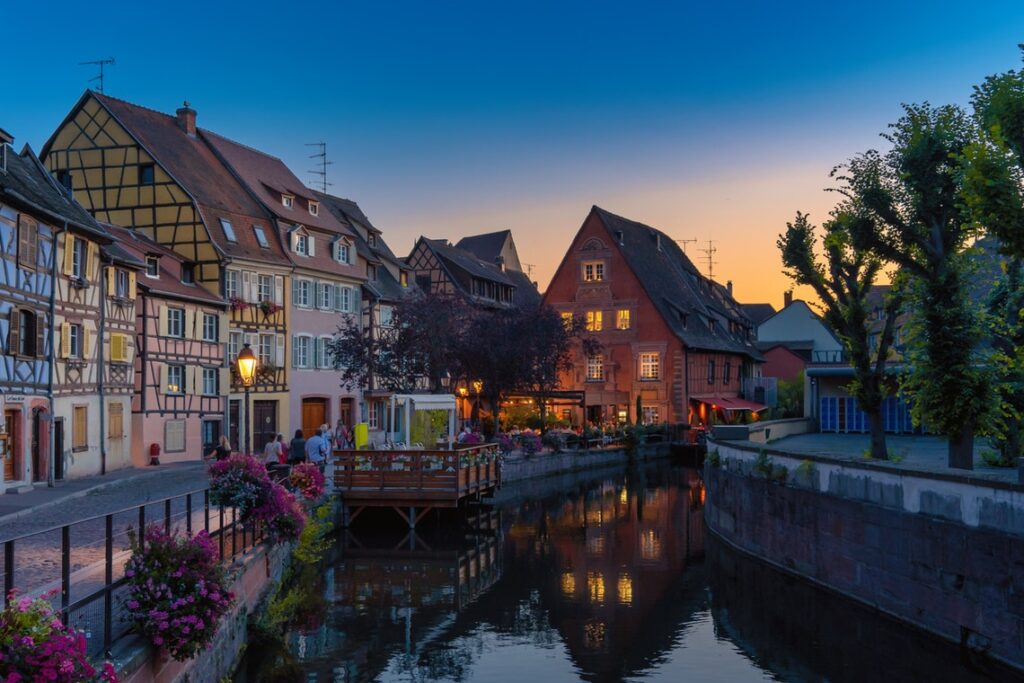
(550,464)
(942,552)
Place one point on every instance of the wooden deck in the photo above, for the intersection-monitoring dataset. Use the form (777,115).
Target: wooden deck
(413,482)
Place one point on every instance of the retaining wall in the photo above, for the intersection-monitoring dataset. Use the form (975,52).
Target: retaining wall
(940,551)
(548,464)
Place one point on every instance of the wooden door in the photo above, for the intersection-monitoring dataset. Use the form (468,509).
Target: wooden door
(39,460)
(314,414)
(10,422)
(264,426)
(346,412)
(58,449)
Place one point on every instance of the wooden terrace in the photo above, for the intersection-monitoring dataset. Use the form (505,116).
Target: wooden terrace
(414,482)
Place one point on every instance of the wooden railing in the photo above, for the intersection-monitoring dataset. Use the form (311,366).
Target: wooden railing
(426,474)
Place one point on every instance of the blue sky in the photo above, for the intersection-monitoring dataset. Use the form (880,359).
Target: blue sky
(710,120)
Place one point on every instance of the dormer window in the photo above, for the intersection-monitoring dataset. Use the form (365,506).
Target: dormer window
(371,239)
(152,266)
(287,201)
(314,208)
(342,252)
(229,230)
(403,278)
(188,273)
(261,236)
(302,242)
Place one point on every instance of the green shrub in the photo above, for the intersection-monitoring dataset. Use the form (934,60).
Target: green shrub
(713,458)
(996,459)
(762,464)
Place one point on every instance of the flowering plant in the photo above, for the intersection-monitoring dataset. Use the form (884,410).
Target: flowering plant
(529,442)
(308,479)
(505,443)
(471,439)
(36,646)
(238,303)
(240,482)
(269,307)
(177,590)
(282,514)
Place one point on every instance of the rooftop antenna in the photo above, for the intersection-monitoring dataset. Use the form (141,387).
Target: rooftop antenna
(321,172)
(685,242)
(529,270)
(100,63)
(709,254)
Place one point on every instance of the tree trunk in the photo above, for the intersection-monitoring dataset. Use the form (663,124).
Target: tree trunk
(961,449)
(543,416)
(876,423)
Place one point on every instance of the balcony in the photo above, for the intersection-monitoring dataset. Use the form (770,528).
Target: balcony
(839,357)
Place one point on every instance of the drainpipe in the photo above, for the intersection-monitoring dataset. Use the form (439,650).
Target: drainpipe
(100,368)
(52,356)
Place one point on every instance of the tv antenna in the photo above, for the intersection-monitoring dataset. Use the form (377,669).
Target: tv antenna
(321,172)
(709,256)
(529,270)
(685,242)
(100,63)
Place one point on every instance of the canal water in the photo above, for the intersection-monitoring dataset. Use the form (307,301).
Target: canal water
(606,578)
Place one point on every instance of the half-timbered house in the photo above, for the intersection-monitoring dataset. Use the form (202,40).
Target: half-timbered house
(670,337)
(325,281)
(155,173)
(35,217)
(441,268)
(179,330)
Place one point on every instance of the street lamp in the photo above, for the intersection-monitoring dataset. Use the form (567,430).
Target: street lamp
(247,373)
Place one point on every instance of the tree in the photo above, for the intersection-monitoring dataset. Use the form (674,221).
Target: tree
(910,213)
(1006,334)
(843,279)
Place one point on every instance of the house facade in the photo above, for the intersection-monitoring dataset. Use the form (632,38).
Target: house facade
(156,173)
(669,336)
(440,268)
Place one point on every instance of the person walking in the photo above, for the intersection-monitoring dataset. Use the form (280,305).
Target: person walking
(222,451)
(272,452)
(316,448)
(297,448)
(282,455)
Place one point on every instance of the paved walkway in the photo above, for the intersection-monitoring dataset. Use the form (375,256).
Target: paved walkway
(921,453)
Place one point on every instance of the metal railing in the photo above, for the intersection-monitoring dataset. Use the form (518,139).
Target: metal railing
(86,595)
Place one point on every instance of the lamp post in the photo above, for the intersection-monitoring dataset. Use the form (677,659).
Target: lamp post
(247,373)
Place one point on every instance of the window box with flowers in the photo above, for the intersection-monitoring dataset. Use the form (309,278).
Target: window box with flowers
(269,307)
(238,303)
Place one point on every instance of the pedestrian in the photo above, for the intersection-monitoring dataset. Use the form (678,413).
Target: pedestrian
(271,452)
(222,451)
(344,436)
(297,449)
(315,448)
(282,455)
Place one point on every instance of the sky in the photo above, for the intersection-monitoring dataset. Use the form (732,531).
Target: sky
(709,121)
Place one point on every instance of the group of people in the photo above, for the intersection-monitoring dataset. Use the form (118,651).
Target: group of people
(315,449)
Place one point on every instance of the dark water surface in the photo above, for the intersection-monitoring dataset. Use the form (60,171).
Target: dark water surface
(605,579)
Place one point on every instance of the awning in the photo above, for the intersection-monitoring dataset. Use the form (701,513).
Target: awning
(730,403)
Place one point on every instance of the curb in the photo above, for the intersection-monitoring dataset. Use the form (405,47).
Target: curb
(93,489)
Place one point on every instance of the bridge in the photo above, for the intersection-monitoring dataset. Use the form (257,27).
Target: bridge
(414,482)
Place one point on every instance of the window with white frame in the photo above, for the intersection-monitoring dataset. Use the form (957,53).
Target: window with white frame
(341,252)
(152,266)
(323,352)
(121,285)
(175,379)
(229,230)
(302,244)
(371,239)
(314,208)
(387,316)
(301,352)
(176,322)
(266,349)
(78,254)
(325,296)
(210,377)
(234,345)
(595,321)
(75,340)
(232,284)
(287,200)
(373,414)
(210,324)
(266,288)
(593,271)
(302,293)
(650,366)
(595,368)
(651,416)
(371,272)
(345,298)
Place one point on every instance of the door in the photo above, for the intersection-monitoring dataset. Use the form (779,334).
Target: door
(58,449)
(264,427)
(9,443)
(346,412)
(314,414)
(234,414)
(39,463)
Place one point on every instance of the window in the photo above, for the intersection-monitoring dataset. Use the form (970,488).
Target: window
(403,278)
(595,369)
(595,321)
(210,325)
(323,352)
(314,208)
(373,414)
(28,241)
(232,284)
(188,273)
(287,201)
(650,366)
(121,283)
(147,174)
(371,272)
(593,271)
(325,296)
(24,333)
(176,322)
(302,293)
(65,179)
(80,428)
(75,341)
(211,434)
(234,345)
(210,377)
(175,379)
(174,436)
(342,252)
(387,316)
(711,372)
(119,347)
(152,266)
(261,237)
(115,420)
(78,258)
(229,231)
(266,288)
(726,372)
(622,319)
(344,298)
(651,415)
(567,320)
(301,351)
(371,239)
(265,352)
(302,244)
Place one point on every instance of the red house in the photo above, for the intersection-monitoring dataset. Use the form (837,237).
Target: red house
(669,335)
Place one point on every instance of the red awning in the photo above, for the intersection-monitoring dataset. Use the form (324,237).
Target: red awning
(730,403)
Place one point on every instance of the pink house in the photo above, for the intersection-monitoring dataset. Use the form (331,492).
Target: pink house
(180,375)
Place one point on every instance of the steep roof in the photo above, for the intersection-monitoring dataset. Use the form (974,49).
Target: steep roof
(193,164)
(467,262)
(486,247)
(526,293)
(686,299)
(28,184)
(758,313)
(349,212)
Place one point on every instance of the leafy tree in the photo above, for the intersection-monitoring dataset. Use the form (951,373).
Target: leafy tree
(843,279)
(1006,325)
(910,213)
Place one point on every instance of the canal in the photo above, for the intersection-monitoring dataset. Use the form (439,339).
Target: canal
(604,578)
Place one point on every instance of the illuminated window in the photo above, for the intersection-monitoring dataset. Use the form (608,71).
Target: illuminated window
(650,366)
(593,271)
(568,584)
(595,321)
(595,369)
(595,587)
(625,589)
(175,379)
(651,416)
(650,545)
(567,320)
(622,319)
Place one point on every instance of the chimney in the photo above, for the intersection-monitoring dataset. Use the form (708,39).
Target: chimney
(728,286)
(187,119)
(787,298)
